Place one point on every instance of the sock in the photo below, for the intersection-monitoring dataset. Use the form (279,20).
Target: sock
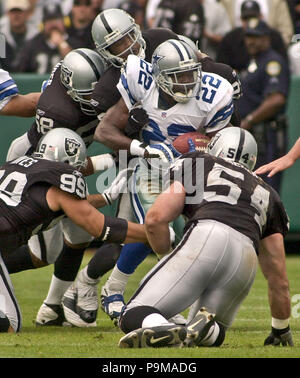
(57,290)
(84,277)
(68,263)
(132,255)
(117,281)
(18,260)
(154,320)
(103,260)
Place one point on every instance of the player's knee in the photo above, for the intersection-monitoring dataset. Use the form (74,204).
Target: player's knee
(4,323)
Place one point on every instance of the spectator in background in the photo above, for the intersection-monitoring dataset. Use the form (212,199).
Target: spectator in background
(16,30)
(274,12)
(46,49)
(265,91)
(80,31)
(217,24)
(185,17)
(136,9)
(294,6)
(151,12)
(96,7)
(232,50)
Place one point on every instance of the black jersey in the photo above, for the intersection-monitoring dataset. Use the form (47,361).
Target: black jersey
(38,56)
(106,94)
(24,210)
(56,108)
(185,17)
(227,192)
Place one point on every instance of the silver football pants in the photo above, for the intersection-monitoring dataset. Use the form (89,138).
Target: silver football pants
(213,264)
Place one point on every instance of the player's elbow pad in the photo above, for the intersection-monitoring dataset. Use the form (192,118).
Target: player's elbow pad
(114,230)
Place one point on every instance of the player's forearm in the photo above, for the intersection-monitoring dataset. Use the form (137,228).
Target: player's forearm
(158,234)
(111,136)
(96,200)
(279,300)
(294,153)
(136,233)
(22,105)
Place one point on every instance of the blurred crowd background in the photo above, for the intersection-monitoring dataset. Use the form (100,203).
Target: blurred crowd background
(39,33)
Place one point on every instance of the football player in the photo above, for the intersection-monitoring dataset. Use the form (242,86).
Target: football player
(36,192)
(65,102)
(116,35)
(11,102)
(232,216)
(145,184)
(181,107)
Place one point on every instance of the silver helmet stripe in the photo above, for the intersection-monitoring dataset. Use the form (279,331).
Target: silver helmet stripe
(182,50)
(92,64)
(105,23)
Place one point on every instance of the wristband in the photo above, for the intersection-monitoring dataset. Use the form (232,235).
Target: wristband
(102,162)
(280,323)
(114,230)
(136,148)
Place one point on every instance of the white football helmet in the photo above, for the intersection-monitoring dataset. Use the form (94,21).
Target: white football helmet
(109,27)
(164,159)
(235,144)
(172,59)
(188,40)
(62,145)
(81,69)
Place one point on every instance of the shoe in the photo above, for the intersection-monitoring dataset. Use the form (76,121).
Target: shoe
(75,314)
(199,328)
(51,315)
(154,337)
(112,303)
(178,319)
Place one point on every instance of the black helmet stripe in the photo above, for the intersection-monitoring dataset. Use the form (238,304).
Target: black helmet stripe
(241,145)
(179,50)
(105,23)
(92,64)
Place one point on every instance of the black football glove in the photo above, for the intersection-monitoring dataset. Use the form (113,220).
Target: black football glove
(138,118)
(280,337)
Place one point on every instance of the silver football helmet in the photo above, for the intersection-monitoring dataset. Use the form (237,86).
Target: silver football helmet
(176,70)
(62,145)
(188,40)
(109,27)
(235,144)
(81,69)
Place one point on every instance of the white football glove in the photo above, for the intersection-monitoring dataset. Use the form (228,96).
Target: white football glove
(117,186)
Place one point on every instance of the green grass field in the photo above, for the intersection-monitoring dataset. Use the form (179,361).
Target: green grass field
(244,339)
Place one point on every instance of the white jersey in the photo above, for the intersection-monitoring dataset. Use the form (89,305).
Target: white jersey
(212,109)
(8,88)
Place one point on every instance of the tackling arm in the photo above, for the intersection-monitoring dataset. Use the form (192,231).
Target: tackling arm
(94,222)
(272,262)
(167,207)
(110,131)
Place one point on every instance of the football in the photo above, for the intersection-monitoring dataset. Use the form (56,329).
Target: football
(181,142)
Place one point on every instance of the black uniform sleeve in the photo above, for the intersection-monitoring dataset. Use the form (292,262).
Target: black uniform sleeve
(62,176)
(278,220)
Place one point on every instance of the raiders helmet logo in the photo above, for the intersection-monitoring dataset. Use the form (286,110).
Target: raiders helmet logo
(66,76)
(71,147)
